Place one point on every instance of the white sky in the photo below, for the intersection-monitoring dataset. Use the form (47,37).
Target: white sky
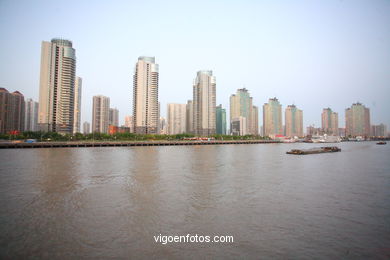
(314,54)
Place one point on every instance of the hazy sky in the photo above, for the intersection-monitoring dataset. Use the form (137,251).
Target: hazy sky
(314,54)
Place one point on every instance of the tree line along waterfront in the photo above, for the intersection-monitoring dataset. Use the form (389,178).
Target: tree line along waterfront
(79,137)
(54,136)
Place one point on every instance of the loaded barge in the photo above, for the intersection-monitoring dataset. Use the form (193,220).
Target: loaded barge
(316,150)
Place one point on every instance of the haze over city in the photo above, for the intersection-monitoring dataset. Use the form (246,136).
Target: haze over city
(313,54)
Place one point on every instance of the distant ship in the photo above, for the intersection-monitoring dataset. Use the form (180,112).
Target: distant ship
(326,139)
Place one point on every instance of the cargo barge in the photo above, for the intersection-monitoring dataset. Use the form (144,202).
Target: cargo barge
(331,149)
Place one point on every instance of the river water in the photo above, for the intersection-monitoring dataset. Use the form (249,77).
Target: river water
(111,203)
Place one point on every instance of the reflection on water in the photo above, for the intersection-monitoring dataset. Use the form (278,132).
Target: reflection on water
(110,202)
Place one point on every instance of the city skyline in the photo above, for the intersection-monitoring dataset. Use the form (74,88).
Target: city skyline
(331,62)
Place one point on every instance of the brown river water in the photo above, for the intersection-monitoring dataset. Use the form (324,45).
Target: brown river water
(111,203)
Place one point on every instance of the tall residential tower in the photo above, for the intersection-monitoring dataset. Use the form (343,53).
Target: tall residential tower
(145,96)
(176,115)
(100,114)
(221,120)
(293,121)
(56,90)
(357,120)
(12,111)
(330,122)
(77,105)
(272,118)
(31,115)
(204,99)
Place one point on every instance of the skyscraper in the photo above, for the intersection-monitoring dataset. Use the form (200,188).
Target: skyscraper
(330,122)
(31,116)
(190,117)
(12,111)
(113,118)
(241,106)
(56,90)
(221,120)
(254,121)
(145,96)
(77,105)
(86,128)
(293,121)
(272,118)
(100,114)
(204,99)
(357,120)
(176,114)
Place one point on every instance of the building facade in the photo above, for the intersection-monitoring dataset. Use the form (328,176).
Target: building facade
(190,117)
(100,114)
(129,123)
(12,111)
(379,130)
(241,105)
(176,115)
(57,84)
(293,121)
(254,121)
(113,117)
(330,122)
(272,118)
(86,128)
(221,120)
(77,105)
(357,120)
(31,116)
(163,126)
(145,96)
(204,103)
(238,126)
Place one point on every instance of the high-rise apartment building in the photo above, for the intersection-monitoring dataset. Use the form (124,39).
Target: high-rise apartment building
(86,128)
(272,118)
(379,130)
(100,114)
(241,104)
(57,83)
(357,120)
(176,115)
(254,126)
(77,104)
(31,115)
(330,122)
(204,99)
(113,118)
(145,96)
(12,111)
(293,121)
(190,117)
(221,120)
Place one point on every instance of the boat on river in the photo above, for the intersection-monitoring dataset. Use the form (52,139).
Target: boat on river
(328,149)
(381,143)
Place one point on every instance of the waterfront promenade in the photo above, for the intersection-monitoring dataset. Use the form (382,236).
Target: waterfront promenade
(127,143)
